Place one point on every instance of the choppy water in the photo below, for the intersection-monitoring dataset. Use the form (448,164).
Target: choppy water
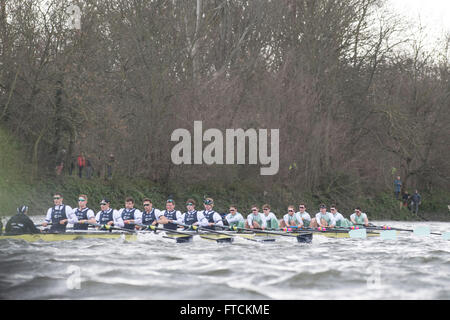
(409,267)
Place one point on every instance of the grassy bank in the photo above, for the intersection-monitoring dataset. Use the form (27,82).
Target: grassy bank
(17,188)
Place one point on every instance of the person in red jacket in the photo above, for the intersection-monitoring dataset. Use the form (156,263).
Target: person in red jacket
(81,164)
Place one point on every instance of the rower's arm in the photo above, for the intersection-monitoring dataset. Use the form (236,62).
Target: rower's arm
(218,219)
(202,221)
(118,221)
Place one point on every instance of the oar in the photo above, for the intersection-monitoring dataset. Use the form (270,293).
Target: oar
(41,224)
(109,227)
(265,231)
(420,231)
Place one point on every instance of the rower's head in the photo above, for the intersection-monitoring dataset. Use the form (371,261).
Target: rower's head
(302,207)
(22,209)
(104,204)
(57,199)
(255,209)
(147,203)
(323,208)
(266,209)
(233,210)
(190,204)
(358,211)
(291,210)
(170,204)
(333,209)
(82,201)
(208,203)
(129,203)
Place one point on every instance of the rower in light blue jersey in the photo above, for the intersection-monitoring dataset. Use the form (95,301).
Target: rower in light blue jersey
(255,220)
(290,219)
(234,218)
(270,217)
(302,214)
(359,218)
(323,218)
(339,218)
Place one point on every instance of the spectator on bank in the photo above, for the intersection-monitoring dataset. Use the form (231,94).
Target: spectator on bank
(71,167)
(81,164)
(109,167)
(89,169)
(405,199)
(397,187)
(416,200)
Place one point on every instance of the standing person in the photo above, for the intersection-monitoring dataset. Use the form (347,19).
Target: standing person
(323,218)
(359,218)
(108,216)
(88,168)
(302,214)
(71,167)
(256,220)
(212,216)
(397,187)
(290,219)
(130,215)
(416,200)
(405,199)
(193,217)
(270,217)
(170,217)
(20,223)
(81,164)
(83,213)
(234,218)
(59,215)
(150,215)
(109,167)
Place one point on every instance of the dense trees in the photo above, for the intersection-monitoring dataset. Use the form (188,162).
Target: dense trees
(352,97)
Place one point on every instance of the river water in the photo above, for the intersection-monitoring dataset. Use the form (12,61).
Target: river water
(410,267)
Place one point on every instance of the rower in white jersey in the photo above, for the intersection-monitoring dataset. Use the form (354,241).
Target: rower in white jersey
(170,217)
(270,217)
(339,218)
(193,217)
(130,215)
(83,213)
(214,218)
(59,215)
(290,219)
(302,214)
(234,218)
(107,216)
(323,218)
(359,218)
(256,219)
(150,215)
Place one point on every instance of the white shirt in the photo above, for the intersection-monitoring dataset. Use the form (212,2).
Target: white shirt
(270,216)
(202,221)
(137,214)
(178,215)
(304,216)
(90,213)
(337,216)
(234,218)
(287,217)
(157,213)
(216,217)
(71,216)
(363,215)
(319,216)
(117,218)
(252,216)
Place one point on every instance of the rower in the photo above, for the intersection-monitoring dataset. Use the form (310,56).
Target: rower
(83,213)
(21,223)
(108,216)
(170,216)
(323,218)
(130,215)
(59,215)
(290,219)
(150,215)
(359,218)
(256,219)
(193,217)
(214,218)
(302,214)
(270,217)
(234,218)
(339,218)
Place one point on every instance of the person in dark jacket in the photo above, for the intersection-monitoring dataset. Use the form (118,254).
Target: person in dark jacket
(416,200)
(21,223)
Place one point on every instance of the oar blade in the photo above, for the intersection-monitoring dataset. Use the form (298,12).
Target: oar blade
(422,231)
(388,234)
(358,234)
(446,236)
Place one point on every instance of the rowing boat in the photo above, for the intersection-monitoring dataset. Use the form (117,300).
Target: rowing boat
(71,236)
